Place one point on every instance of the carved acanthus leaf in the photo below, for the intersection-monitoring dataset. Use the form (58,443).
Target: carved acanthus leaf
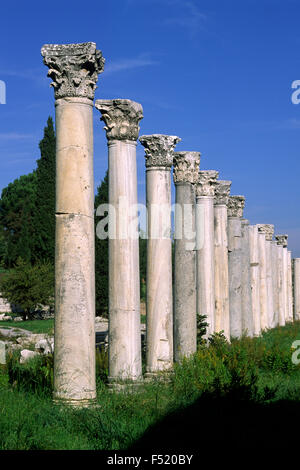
(207,180)
(121,118)
(74,68)
(222,191)
(186,167)
(236,206)
(159,149)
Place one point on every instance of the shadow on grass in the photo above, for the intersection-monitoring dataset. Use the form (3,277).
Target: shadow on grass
(224,425)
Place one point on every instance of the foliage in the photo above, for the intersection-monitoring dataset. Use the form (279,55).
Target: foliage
(34,376)
(30,287)
(44,217)
(201,328)
(17,209)
(101,253)
(35,326)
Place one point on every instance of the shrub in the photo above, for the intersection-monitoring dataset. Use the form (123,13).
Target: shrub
(35,375)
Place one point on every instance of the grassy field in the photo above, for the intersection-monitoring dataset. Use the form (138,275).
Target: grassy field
(246,392)
(36,326)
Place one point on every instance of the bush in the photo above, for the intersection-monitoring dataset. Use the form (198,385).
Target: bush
(30,287)
(35,375)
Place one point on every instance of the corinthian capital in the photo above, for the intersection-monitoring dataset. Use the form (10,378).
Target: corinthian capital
(236,206)
(186,167)
(121,118)
(222,191)
(74,68)
(207,180)
(159,149)
(282,240)
(267,229)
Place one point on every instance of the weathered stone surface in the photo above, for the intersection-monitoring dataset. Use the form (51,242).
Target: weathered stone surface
(236,206)
(159,149)
(275,279)
(289,287)
(222,191)
(255,281)
(26,354)
(235,270)
(267,229)
(185,325)
(186,167)
(4,317)
(207,181)
(205,247)
(2,352)
(74,68)
(247,313)
(4,306)
(222,318)
(121,118)
(281,288)
(264,323)
(282,240)
(296,284)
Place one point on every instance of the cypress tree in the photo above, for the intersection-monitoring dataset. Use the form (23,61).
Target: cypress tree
(101,254)
(45,197)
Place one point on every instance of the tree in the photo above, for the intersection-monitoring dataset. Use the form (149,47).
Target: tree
(44,220)
(30,287)
(17,211)
(101,254)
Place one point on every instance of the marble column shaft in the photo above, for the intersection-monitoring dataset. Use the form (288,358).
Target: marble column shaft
(121,119)
(268,230)
(222,319)
(235,214)
(264,320)
(186,167)
(296,290)
(247,312)
(205,193)
(290,287)
(74,337)
(159,152)
(281,283)
(275,278)
(255,278)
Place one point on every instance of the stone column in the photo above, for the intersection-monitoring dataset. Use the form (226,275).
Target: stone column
(121,118)
(275,278)
(281,241)
(296,283)
(159,151)
(290,287)
(222,320)
(255,278)
(247,313)
(74,69)
(186,168)
(205,194)
(235,214)
(268,230)
(264,320)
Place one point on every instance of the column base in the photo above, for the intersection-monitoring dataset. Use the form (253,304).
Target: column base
(163,376)
(76,403)
(124,385)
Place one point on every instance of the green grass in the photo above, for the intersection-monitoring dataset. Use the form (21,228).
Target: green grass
(36,326)
(257,370)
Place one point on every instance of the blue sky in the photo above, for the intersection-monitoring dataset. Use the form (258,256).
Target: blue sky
(216,73)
